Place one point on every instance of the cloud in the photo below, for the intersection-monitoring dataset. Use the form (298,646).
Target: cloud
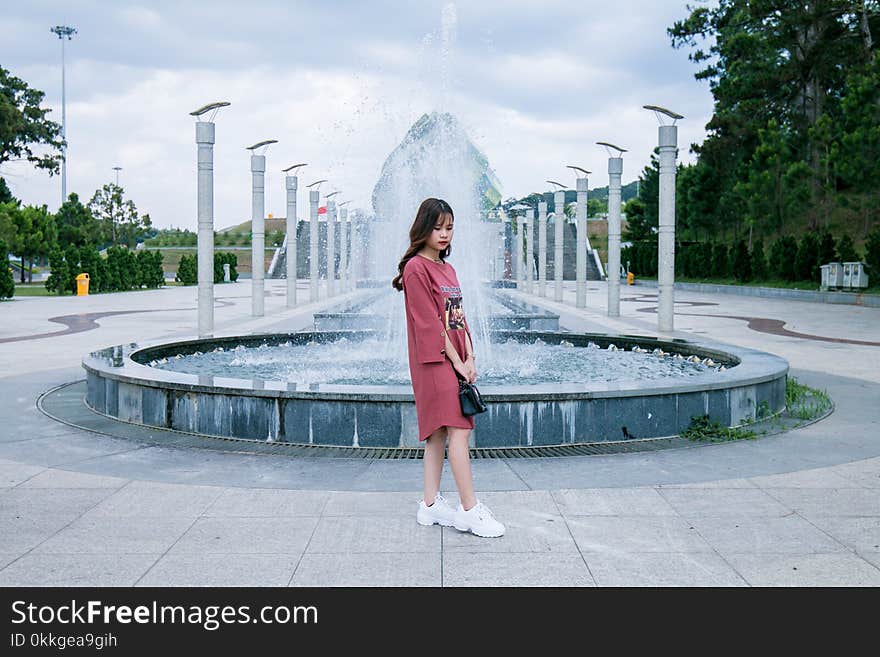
(339,84)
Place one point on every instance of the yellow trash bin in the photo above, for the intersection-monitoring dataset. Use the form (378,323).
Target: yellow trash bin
(82,285)
(630,277)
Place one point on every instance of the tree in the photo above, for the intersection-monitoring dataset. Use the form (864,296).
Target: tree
(827,248)
(872,253)
(76,225)
(35,234)
(806,261)
(858,155)
(846,252)
(5,195)
(759,263)
(741,264)
(637,227)
(782,258)
(7,282)
(23,125)
(62,263)
(119,218)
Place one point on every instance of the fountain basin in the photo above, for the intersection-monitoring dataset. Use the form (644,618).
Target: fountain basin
(120,385)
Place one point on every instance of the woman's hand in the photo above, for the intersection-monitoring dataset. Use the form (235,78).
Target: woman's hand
(469,369)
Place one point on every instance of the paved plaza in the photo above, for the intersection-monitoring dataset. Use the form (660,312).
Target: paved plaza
(82,509)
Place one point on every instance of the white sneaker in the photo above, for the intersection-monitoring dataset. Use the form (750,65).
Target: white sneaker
(439,513)
(478,520)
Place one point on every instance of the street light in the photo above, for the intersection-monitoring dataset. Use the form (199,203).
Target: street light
(615,172)
(63,31)
(205,240)
(331,244)
(583,246)
(258,223)
(314,271)
(117,170)
(668,142)
(291,182)
(558,236)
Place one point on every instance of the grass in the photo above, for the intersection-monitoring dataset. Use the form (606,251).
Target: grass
(32,290)
(803,404)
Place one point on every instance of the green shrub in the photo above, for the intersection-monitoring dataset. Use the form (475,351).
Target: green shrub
(7,281)
(782,258)
(720,266)
(759,263)
(846,251)
(221,258)
(149,266)
(806,260)
(827,248)
(187,270)
(741,263)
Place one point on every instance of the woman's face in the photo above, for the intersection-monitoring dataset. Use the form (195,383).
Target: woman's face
(441,236)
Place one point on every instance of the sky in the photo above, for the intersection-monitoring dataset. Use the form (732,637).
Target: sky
(338,83)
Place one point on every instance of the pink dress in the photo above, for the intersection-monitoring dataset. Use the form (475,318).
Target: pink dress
(433,303)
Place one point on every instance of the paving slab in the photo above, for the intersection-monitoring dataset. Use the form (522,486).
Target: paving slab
(86,570)
(662,569)
(369,569)
(463,568)
(215,569)
(834,569)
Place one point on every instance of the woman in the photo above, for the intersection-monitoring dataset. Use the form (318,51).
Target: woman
(437,336)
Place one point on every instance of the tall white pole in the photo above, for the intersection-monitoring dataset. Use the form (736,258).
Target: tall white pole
(666,234)
(205,141)
(530,250)
(615,173)
(355,231)
(542,248)
(314,199)
(331,248)
(291,184)
(343,250)
(258,233)
(519,243)
(559,235)
(582,243)
(63,127)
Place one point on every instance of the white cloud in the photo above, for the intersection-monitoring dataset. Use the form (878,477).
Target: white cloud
(535,86)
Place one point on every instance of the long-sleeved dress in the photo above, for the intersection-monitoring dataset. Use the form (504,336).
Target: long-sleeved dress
(433,304)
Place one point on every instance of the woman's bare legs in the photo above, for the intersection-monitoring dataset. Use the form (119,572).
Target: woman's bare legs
(434,446)
(460,462)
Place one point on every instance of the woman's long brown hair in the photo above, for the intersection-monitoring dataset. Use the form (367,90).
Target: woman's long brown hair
(422,226)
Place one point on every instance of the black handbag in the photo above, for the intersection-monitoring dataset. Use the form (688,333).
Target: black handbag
(469,396)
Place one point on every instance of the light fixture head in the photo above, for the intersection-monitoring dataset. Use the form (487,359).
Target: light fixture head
(609,147)
(576,169)
(663,111)
(208,108)
(259,144)
(317,182)
(293,167)
(560,185)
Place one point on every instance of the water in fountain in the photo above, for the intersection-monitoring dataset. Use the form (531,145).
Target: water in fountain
(366,363)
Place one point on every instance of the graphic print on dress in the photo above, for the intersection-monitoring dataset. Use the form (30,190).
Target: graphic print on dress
(454,313)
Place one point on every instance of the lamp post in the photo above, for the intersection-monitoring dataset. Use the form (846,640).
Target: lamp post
(291,182)
(583,244)
(331,243)
(668,142)
(615,172)
(558,236)
(542,248)
(314,200)
(117,170)
(205,173)
(63,31)
(343,246)
(258,224)
(530,250)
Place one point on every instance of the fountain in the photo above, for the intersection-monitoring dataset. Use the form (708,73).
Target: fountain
(346,382)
